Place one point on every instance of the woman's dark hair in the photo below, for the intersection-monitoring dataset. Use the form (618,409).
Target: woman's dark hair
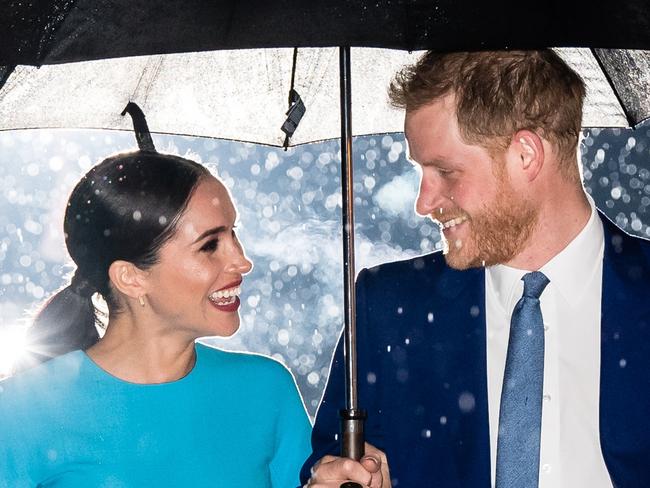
(125,208)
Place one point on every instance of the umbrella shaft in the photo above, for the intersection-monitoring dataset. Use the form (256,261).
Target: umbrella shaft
(348,230)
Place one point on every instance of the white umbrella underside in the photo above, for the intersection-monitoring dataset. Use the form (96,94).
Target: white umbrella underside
(242,95)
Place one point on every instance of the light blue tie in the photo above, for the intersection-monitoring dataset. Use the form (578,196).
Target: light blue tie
(520,417)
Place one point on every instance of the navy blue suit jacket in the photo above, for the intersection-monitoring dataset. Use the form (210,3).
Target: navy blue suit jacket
(423,373)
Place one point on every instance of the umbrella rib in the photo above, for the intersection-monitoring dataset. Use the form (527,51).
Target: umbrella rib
(157,62)
(5,73)
(628,116)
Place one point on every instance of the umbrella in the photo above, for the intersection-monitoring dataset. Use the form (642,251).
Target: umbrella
(45,34)
(201,94)
(67,31)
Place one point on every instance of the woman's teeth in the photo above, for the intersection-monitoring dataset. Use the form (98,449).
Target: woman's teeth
(225,297)
(453,222)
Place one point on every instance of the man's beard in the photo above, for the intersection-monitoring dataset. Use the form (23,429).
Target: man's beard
(497,233)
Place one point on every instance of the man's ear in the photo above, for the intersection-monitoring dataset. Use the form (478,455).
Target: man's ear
(527,151)
(128,279)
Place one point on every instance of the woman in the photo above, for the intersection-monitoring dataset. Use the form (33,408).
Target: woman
(145,405)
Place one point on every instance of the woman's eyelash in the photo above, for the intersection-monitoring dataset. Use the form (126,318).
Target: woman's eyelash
(210,245)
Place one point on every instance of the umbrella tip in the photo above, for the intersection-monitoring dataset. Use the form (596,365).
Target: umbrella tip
(142,134)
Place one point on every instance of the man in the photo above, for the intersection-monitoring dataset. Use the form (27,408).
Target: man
(494,135)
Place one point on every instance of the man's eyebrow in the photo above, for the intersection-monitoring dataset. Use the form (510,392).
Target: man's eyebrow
(430,162)
(209,232)
(443,163)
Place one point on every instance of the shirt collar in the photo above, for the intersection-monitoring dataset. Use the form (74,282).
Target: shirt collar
(568,271)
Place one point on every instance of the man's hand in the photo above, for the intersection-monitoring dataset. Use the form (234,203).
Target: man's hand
(371,471)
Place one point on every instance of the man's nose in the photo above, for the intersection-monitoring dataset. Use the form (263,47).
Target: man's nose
(429,195)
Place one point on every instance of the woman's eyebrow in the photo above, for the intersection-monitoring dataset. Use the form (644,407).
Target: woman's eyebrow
(209,232)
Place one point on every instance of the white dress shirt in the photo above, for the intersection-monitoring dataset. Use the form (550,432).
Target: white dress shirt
(570,453)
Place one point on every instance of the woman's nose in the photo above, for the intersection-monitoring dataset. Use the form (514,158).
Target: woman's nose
(239,262)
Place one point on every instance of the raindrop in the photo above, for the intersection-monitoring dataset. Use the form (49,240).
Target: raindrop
(430,317)
(137,215)
(369,182)
(466,402)
(283,337)
(426,433)
(371,378)
(474,311)
(622,363)
(386,142)
(56,163)
(443,420)
(295,173)
(400,310)
(32,169)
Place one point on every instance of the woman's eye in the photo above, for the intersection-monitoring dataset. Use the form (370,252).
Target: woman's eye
(209,246)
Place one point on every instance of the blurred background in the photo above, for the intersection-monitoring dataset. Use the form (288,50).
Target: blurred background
(289,205)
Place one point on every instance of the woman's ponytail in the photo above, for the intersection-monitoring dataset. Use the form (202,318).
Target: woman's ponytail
(66,322)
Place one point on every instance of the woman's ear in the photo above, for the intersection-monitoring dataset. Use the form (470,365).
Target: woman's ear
(527,148)
(128,279)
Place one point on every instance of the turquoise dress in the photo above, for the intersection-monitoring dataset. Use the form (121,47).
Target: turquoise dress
(236,420)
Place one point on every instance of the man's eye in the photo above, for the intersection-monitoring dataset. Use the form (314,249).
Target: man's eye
(209,246)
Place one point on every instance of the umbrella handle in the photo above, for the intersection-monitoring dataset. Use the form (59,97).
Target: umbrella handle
(352,438)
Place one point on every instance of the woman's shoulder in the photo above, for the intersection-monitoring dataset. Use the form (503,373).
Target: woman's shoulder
(245,363)
(58,370)
(43,388)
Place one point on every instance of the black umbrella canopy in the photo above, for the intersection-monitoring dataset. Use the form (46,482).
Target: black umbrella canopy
(57,31)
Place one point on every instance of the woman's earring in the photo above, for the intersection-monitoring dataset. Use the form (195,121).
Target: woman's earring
(141,300)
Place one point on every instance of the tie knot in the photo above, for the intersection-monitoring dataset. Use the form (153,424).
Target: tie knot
(534,284)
